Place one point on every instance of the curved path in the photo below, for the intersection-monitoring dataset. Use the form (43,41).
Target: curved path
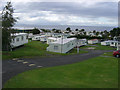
(14,67)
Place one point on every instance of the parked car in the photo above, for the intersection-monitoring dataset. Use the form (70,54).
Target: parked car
(116,53)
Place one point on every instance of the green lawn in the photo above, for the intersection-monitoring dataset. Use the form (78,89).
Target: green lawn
(108,54)
(99,47)
(99,72)
(33,49)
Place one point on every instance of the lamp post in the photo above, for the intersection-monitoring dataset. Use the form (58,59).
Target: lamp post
(61,42)
(77,46)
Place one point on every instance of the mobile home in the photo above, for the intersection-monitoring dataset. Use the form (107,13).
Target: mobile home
(93,41)
(118,46)
(30,35)
(113,43)
(19,39)
(81,42)
(51,39)
(62,45)
(36,38)
(106,43)
(43,38)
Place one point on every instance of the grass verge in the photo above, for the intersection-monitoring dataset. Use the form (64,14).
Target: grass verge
(99,72)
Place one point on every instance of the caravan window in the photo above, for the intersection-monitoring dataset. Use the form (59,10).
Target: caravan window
(55,47)
(112,43)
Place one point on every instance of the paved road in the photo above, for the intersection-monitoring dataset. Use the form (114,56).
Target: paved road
(14,67)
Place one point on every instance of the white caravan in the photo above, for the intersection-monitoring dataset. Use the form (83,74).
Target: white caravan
(51,39)
(19,39)
(81,42)
(93,41)
(36,38)
(106,43)
(62,45)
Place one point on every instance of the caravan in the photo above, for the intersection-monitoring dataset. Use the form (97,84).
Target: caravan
(19,39)
(62,45)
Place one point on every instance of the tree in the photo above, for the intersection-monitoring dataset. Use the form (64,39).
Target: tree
(68,29)
(8,21)
(94,31)
(97,33)
(58,31)
(36,31)
(84,33)
(76,29)
(115,32)
(82,30)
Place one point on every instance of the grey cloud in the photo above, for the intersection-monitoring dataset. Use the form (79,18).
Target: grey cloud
(101,9)
(93,12)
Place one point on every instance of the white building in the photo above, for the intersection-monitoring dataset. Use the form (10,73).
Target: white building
(118,46)
(106,43)
(52,39)
(48,34)
(62,45)
(113,43)
(60,35)
(90,33)
(36,38)
(30,35)
(19,39)
(81,42)
(43,38)
(93,41)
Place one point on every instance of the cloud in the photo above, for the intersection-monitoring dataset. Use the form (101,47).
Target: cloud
(96,12)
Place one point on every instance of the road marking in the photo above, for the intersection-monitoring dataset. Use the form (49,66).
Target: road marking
(31,65)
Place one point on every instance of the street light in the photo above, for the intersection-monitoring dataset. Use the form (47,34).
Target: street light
(61,42)
(77,46)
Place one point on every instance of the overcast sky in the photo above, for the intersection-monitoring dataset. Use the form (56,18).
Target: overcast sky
(66,13)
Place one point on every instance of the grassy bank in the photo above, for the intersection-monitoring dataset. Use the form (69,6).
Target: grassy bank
(33,49)
(99,72)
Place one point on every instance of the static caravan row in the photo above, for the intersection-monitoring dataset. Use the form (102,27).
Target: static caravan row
(110,43)
(58,35)
(62,45)
(19,39)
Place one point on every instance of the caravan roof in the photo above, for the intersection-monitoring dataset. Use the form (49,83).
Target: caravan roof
(18,34)
(53,38)
(63,41)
